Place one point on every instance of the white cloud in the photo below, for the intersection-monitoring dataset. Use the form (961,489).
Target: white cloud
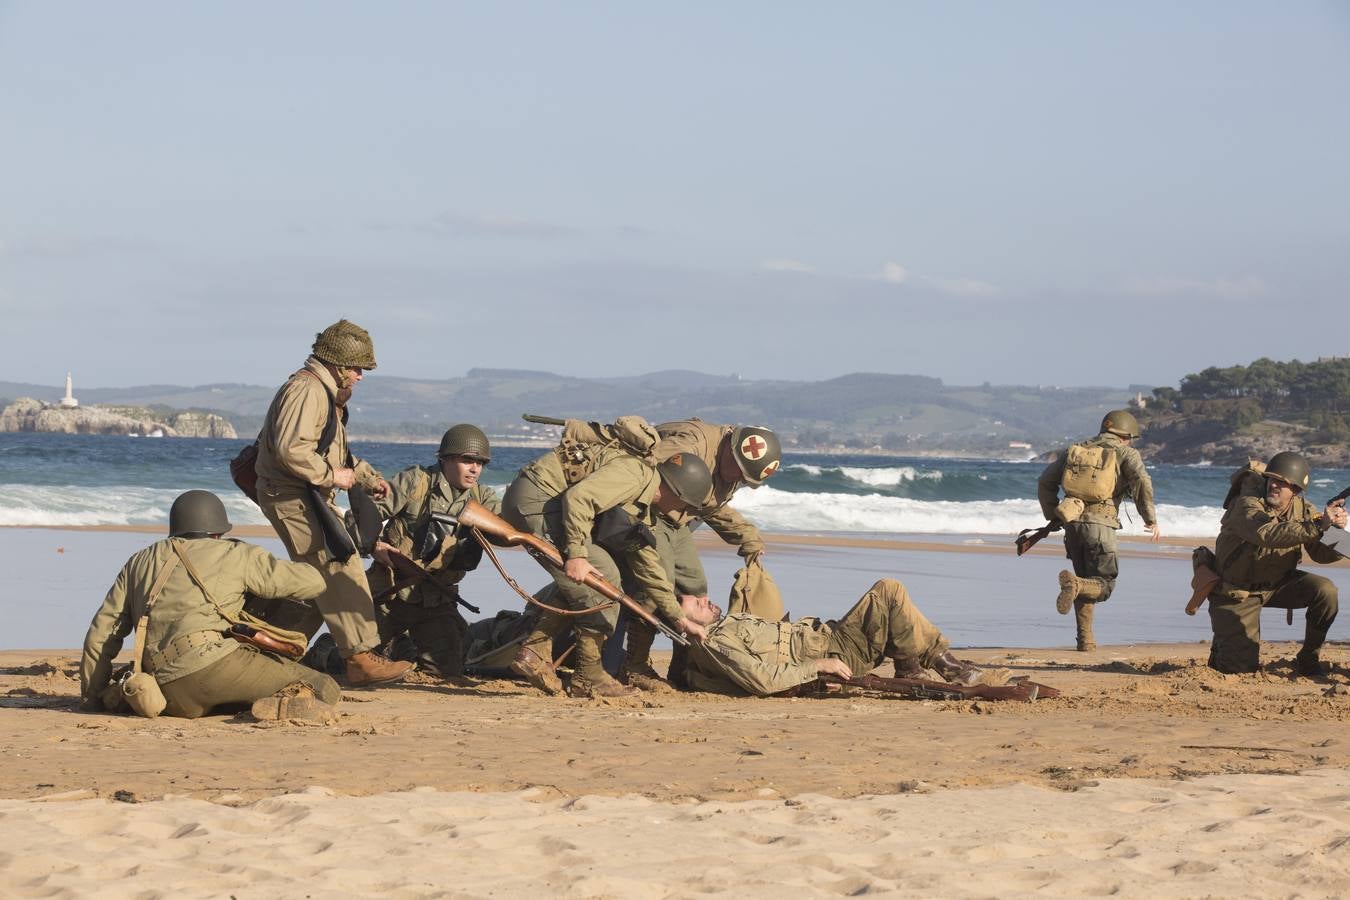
(963,287)
(894,273)
(787,265)
(1216,288)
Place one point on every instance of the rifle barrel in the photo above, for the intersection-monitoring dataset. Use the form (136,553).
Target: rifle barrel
(543,420)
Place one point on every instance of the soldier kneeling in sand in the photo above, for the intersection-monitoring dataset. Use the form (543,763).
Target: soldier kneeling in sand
(745,653)
(183,596)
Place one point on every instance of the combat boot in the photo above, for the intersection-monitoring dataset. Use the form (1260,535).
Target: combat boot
(1082,612)
(960,671)
(908,667)
(636,668)
(294,703)
(1071,588)
(531,665)
(589,678)
(368,668)
(1307,662)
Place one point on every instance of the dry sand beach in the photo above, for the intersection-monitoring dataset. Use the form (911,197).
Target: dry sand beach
(1151,776)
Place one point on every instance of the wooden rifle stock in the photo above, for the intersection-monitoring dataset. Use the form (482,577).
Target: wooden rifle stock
(481,519)
(923,689)
(1030,537)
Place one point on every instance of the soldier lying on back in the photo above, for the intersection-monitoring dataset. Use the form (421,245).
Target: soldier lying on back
(744,653)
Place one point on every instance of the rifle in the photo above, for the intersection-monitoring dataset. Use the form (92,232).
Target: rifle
(408,572)
(543,420)
(923,689)
(482,521)
(1030,537)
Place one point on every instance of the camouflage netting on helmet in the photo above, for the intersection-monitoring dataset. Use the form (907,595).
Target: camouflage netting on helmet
(346,344)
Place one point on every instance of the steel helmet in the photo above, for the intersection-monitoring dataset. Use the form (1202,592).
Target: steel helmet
(688,477)
(757,452)
(197,513)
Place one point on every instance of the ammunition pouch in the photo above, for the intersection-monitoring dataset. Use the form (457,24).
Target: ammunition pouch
(617,531)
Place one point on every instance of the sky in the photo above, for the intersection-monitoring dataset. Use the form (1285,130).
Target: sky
(1031,193)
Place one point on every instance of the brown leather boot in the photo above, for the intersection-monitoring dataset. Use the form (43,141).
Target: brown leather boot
(534,668)
(960,671)
(368,668)
(1082,612)
(636,668)
(589,678)
(1068,592)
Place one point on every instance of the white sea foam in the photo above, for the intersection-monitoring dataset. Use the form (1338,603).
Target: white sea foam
(883,477)
(775,510)
(25,504)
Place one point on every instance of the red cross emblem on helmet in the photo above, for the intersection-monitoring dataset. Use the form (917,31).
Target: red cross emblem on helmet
(753,447)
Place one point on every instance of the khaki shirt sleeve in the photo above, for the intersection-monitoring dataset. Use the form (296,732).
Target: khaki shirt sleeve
(275,579)
(617,482)
(1139,486)
(401,488)
(489,499)
(1047,487)
(1251,522)
(734,529)
(653,584)
(103,641)
(750,673)
(298,426)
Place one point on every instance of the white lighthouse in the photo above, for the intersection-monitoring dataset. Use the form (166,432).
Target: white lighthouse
(69,401)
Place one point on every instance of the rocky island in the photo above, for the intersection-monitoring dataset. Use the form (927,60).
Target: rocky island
(27,414)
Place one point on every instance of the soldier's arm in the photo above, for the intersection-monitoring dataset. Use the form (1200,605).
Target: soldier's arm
(1047,487)
(1140,485)
(367,475)
(401,489)
(1251,522)
(270,578)
(488,497)
(103,641)
(619,481)
(733,528)
(299,425)
(750,673)
(653,584)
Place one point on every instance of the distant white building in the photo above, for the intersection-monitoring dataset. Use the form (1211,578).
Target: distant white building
(69,401)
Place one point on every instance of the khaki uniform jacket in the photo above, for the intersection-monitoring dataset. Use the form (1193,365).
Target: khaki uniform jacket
(288,444)
(415,494)
(1133,481)
(185,632)
(747,653)
(619,479)
(705,441)
(1257,546)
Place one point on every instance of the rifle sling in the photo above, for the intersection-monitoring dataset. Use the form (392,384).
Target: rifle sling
(492,555)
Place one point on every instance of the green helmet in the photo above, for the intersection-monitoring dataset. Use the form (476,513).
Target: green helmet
(465,440)
(688,477)
(1289,467)
(1121,422)
(197,513)
(345,344)
(757,452)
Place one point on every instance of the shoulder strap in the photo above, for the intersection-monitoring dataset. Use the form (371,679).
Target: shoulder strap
(197,580)
(144,622)
(329,433)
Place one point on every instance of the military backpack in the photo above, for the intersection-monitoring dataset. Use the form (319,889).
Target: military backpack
(582,442)
(1090,472)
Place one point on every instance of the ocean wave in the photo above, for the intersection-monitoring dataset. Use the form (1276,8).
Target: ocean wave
(880,477)
(774,510)
(108,505)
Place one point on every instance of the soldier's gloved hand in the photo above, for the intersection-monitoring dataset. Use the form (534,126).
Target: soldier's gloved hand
(831,665)
(1154,530)
(344,478)
(578,568)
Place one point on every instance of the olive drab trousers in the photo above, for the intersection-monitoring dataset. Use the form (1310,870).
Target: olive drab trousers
(676,546)
(530,508)
(1236,618)
(240,677)
(884,624)
(1092,550)
(438,633)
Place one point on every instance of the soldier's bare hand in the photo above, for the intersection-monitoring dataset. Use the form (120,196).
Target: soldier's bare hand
(1335,513)
(694,631)
(578,568)
(379,491)
(380,552)
(1155,531)
(344,478)
(831,665)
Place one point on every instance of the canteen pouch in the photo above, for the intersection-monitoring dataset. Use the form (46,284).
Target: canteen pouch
(1069,509)
(141,692)
(1090,473)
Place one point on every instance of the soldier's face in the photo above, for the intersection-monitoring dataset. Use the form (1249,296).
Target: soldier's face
(1279,494)
(461,471)
(700,609)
